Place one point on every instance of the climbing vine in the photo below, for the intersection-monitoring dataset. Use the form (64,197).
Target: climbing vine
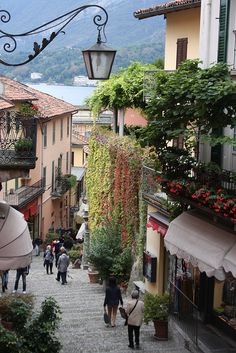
(113,181)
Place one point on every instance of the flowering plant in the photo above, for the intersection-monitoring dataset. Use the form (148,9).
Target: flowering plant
(217,199)
(27,109)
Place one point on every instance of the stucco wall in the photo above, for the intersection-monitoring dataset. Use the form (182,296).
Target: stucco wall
(155,245)
(182,24)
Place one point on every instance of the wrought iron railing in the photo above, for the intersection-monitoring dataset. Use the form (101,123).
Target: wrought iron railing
(24,194)
(15,129)
(152,190)
(213,192)
(62,183)
(184,312)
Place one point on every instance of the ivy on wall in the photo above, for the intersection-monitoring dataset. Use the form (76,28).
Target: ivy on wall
(113,181)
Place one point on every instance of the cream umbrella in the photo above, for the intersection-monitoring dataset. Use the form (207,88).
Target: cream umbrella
(15,242)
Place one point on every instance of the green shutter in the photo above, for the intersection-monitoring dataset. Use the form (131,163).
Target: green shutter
(223,30)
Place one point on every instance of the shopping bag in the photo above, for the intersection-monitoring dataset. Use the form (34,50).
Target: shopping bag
(106,318)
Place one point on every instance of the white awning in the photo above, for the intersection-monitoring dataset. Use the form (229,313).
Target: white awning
(15,242)
(229,262)
(81,232)
(199,242)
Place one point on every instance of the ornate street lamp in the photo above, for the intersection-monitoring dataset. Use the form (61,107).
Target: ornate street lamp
(98,59)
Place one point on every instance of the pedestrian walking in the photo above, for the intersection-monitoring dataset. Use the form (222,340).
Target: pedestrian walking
(62,265)
(56,246)
(134,310)
(36,244)
(4,276)
(21,272)
(112,299)
(48,259)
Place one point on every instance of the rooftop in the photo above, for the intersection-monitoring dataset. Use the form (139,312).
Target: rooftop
(166,7)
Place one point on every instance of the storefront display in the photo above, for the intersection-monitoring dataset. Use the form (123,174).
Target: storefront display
(226,311)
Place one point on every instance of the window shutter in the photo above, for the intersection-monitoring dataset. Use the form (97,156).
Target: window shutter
(181,55)
(223,30)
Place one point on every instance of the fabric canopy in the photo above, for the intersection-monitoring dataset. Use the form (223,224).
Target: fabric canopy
(81,232)
(201,243)
(229,262)
(156,225)
(15,242)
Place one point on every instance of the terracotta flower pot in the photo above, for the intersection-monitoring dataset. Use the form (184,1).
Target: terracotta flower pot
(7,325)
(93,277)
(161,330)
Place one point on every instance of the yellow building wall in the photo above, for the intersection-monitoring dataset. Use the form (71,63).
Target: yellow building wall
(78,156)
(182,24)
(155,245)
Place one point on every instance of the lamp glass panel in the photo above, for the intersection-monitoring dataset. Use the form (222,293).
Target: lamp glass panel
(101,64)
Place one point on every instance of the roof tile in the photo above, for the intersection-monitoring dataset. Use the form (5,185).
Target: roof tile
(48,105)
(166,7)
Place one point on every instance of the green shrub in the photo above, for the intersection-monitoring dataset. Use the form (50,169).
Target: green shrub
(156,307)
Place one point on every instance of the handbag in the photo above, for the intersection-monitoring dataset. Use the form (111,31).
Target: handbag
(124,315)
(106,318)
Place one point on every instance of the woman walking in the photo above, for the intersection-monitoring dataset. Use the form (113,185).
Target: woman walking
(112,299)
(48,259)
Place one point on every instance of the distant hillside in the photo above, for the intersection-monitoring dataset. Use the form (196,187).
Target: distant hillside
(134,40)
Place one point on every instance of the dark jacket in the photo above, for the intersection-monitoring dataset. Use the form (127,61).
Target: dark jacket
(113,296)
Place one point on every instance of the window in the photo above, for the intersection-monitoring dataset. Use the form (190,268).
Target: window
(53,132)
(149,266)
(181,54)
(45,135)
(59,164)
(61,129)
(68,126)
(53,175)
(234,147)
(223,30)
(73,158)
(44,175)
(67,162)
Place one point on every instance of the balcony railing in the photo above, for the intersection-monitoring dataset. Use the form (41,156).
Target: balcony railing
(14,128)
(25,194)
(152,190)
(62,184)
(212,192)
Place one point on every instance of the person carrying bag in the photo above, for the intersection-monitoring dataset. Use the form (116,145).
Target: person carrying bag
(134,311)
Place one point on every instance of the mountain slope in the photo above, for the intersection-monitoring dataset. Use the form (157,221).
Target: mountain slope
(122,28)
(133,39)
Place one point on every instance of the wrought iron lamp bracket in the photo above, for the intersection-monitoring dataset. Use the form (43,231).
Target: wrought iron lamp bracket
(11,40)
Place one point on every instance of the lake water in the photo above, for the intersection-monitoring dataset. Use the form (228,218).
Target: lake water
(71,94)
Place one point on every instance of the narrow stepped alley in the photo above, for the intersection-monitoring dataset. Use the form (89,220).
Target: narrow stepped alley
(82,329)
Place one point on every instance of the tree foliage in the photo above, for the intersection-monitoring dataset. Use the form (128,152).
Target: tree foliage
(123,90)
(188,101)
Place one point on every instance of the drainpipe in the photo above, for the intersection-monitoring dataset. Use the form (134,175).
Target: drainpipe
(205,33)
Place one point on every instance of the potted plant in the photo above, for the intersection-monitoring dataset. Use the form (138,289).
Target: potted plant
(75,255)
(28,110)
(15,310)
(37,335)
(24,145)
(156,309)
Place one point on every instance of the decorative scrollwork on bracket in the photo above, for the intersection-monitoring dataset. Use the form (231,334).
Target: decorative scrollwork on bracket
(10,44)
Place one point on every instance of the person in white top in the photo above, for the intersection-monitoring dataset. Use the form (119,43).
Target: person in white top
(134,310)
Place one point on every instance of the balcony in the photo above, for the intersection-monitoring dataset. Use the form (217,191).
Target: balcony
(17,144)
(63,183)
(211,191)
(25,194)
(152,190)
